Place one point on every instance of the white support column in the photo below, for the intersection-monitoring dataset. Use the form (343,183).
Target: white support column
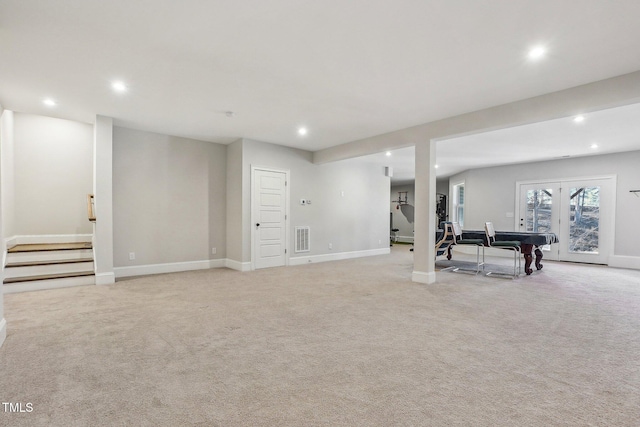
(425,215)
(103,191)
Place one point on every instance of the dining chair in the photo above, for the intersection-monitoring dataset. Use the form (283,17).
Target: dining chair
(511,245)
(478,243)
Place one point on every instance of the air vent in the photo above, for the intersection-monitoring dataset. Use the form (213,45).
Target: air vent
(302,239)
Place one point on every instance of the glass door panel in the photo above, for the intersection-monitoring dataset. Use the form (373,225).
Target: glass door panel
(584,219)
(537,211)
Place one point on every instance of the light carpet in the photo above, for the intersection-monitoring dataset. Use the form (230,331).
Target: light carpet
(348,343)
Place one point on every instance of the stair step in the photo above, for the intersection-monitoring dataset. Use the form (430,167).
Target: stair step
(39,285)
(48,262)
(37,247)
(44,256)
(9,281)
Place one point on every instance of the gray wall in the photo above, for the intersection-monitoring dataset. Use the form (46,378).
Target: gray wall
(235,187)
(7,176)
(490,192)
(169,198)
(53,173)
(349,199)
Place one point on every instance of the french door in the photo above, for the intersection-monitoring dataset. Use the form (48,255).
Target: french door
(579,211)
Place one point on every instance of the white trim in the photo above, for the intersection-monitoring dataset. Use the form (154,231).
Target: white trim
(10,241)
(453,212)
(218,263)
(422,277)
(621,261)
(171,267)
(237,265)
(338,256)
(47,238)
(3,330)
(105,278)
(43,285)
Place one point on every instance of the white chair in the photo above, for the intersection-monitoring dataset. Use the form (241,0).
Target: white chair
(512,245)
(447,239)
(478,243)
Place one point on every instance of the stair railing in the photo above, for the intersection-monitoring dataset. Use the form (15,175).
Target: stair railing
(90,207)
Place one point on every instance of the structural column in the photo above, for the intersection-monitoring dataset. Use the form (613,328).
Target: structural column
(103,191)
(425,215)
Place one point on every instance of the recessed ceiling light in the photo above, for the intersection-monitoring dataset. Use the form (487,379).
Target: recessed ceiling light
(388,153)
(537,52)
(594,146)
(49,102)
(578,119)
(119,86)
(436,166)
(302,131)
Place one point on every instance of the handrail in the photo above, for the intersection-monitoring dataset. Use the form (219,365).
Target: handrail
(90,213)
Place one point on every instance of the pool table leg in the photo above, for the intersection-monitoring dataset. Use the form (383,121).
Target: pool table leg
(538,258)
(528,258)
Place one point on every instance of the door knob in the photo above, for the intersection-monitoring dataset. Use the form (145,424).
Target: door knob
(257,224)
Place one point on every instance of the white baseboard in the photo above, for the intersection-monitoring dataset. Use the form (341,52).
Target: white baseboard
(620,261)
(10,241)
(337,256)
(3,331)
(217,263)
(237,265)
(422,277)
(47,238)
(105,278)
(171,267)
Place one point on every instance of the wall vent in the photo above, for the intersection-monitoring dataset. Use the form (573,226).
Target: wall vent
(302,239)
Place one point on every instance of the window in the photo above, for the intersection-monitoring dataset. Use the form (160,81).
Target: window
(458,204)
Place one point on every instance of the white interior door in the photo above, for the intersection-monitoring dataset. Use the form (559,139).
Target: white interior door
(269,218)
(579,211)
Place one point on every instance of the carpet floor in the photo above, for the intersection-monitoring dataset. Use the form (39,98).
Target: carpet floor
(347,343)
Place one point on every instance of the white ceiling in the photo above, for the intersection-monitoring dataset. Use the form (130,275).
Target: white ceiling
(347,70)
(613,130)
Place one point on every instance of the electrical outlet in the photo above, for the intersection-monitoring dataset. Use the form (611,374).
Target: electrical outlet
(132,256)
(214,251)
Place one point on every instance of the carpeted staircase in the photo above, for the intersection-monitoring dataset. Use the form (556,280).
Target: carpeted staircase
(31,267)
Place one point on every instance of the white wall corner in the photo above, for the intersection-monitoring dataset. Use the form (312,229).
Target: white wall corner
(619,261)
(422,277)
(105,278)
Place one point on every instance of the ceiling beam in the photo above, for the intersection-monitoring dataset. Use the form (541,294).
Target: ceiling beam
(600,95)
